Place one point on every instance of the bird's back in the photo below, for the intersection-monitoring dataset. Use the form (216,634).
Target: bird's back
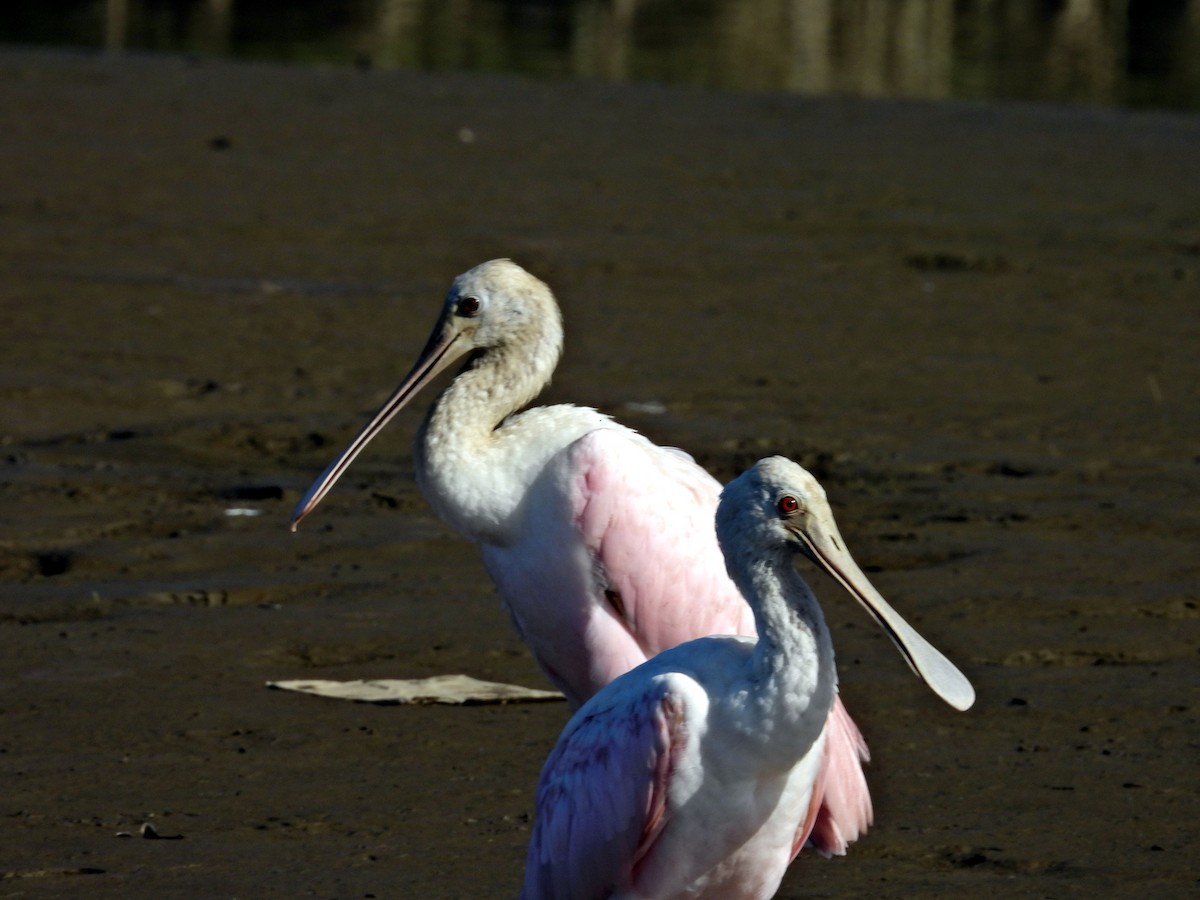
(616,560)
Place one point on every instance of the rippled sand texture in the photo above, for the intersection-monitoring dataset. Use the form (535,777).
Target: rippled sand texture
(979,327)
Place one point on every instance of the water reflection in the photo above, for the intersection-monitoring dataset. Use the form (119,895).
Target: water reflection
(1094,51)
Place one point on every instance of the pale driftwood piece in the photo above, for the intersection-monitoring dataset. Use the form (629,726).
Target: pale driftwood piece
(453,689)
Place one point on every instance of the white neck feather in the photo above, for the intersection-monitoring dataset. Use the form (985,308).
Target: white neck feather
(476,456)
(792,667)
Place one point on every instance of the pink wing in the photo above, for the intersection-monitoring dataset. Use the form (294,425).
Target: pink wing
(617,561)
(841,806)
(646,514)
(602,793)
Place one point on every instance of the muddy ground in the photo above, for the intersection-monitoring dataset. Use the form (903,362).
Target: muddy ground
(978,325)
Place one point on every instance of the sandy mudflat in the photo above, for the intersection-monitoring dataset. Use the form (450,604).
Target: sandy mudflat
(980,326)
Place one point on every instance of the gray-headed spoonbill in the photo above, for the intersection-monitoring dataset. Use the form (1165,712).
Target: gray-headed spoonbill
(699,774)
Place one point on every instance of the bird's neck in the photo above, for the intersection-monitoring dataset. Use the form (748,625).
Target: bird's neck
(462,462)
(792,668)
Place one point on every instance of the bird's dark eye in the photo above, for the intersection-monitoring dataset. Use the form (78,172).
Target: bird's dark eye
(468,306)
(787,505)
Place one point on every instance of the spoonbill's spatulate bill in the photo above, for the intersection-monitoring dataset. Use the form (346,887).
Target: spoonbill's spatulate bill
(700,773)
(600,542)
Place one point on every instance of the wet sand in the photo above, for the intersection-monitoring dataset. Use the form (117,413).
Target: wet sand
(979,326)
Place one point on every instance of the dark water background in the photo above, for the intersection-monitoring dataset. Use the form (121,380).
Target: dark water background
(1136,53)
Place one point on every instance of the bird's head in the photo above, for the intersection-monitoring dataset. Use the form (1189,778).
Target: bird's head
(497,309)
(497,304)
(774,505)
(777,506)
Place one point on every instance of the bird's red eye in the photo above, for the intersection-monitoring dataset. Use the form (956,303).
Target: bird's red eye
(468,306)
(788,505)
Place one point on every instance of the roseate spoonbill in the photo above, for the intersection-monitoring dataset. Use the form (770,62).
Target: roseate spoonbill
(699,773)
(600,542)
